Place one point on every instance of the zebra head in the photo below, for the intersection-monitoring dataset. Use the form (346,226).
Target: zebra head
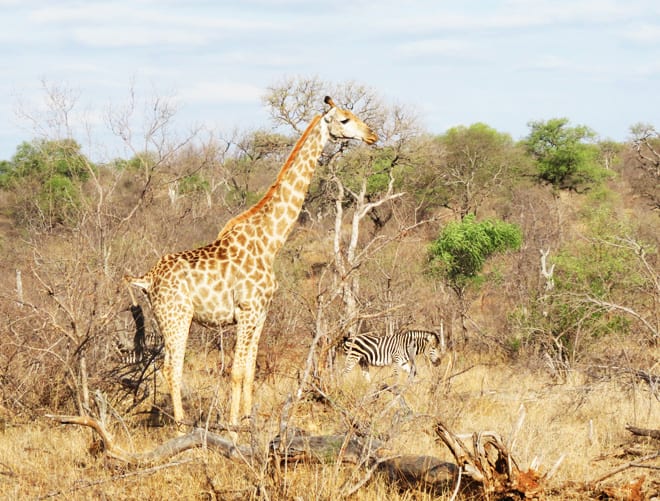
(435,350)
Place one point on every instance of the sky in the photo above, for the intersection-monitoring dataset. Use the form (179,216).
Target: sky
(504,63)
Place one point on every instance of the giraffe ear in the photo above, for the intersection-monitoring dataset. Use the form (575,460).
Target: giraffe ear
(328,100)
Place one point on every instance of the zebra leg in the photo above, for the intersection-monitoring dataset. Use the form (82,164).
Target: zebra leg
(351,360)
(411,368)
(407,368)
(364,365)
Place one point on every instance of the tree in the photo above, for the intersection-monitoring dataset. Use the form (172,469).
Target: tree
(259,153)
(71,307)
(459,253)
(46,178)
(646,148)
(476,160)
(595,276)
(563,154)
(351,187)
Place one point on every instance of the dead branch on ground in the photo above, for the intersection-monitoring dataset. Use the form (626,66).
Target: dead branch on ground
(409,471)
(489,466)
(485,468)
(643,432)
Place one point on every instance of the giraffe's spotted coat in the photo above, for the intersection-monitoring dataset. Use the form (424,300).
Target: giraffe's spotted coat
(231,280)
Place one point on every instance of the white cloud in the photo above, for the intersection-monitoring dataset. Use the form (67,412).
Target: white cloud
(221,92)
(515,14)
(551,62)
(648,70)
(137,36)
(432,46)
(645,33)
(148,14)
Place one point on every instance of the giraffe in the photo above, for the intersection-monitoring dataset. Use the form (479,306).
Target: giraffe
(231,280)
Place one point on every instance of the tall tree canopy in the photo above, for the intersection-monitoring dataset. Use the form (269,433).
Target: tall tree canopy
(564,155)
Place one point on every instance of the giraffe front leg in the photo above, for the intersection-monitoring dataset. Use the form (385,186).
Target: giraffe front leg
(237,378)
(251,364)
(248,380)
(245,359)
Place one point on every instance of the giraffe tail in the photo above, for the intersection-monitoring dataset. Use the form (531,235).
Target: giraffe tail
(142,282)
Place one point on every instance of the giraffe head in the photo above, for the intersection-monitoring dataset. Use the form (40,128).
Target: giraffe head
(342,124)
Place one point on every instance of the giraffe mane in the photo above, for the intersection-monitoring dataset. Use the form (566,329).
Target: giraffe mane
(271,191)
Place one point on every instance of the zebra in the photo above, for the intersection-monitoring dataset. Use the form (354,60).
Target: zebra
(400,349)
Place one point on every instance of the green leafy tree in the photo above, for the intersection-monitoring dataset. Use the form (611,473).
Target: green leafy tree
(476,160)
(565,156)
(459,253)
(462,248)
(46,178)
(598,283)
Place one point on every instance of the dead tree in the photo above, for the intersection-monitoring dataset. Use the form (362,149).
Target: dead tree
(489,468)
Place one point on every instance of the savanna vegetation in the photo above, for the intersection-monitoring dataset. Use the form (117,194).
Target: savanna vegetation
(536,259)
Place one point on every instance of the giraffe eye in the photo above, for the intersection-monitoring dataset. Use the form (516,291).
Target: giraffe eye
(345,121)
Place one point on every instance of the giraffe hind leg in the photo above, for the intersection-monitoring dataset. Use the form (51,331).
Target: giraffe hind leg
(175,336)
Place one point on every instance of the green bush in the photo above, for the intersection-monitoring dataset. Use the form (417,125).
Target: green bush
(46,179)
(462,248)
(564,156)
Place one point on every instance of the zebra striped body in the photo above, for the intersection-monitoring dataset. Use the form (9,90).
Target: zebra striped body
(144,349)
(400,349)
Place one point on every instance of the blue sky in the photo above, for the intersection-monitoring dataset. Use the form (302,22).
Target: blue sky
(505,63)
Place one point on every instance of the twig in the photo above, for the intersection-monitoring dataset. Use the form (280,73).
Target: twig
(632,464)
(367,476)
(91,483)
(555,468)
(458,484)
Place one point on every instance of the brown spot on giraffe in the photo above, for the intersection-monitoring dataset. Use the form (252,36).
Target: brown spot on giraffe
(232,279)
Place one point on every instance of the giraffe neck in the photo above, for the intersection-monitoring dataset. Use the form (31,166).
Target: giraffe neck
(277,212)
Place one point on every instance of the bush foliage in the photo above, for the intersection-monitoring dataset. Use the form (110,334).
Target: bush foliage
(459,205)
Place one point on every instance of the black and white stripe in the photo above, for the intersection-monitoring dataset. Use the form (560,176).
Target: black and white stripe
(144,350)
(400,349)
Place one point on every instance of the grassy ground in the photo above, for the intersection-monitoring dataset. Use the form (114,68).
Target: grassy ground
(580,419)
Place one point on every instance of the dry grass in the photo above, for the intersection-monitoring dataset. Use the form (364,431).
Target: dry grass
(581,420)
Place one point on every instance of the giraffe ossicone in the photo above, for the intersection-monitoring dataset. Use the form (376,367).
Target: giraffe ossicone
(231,280)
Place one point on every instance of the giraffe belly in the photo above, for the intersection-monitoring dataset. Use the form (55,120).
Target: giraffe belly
(221,317)
(213,309)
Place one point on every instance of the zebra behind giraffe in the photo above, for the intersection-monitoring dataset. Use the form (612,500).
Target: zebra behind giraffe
(400,349)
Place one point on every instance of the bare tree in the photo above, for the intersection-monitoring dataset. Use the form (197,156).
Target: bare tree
(70,286)
(646,148)
(476,161)
(356,198)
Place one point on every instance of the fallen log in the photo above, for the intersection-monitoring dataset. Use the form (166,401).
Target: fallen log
(482,469)
(426,473)
(643,432)
(195,439)
(297,445)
